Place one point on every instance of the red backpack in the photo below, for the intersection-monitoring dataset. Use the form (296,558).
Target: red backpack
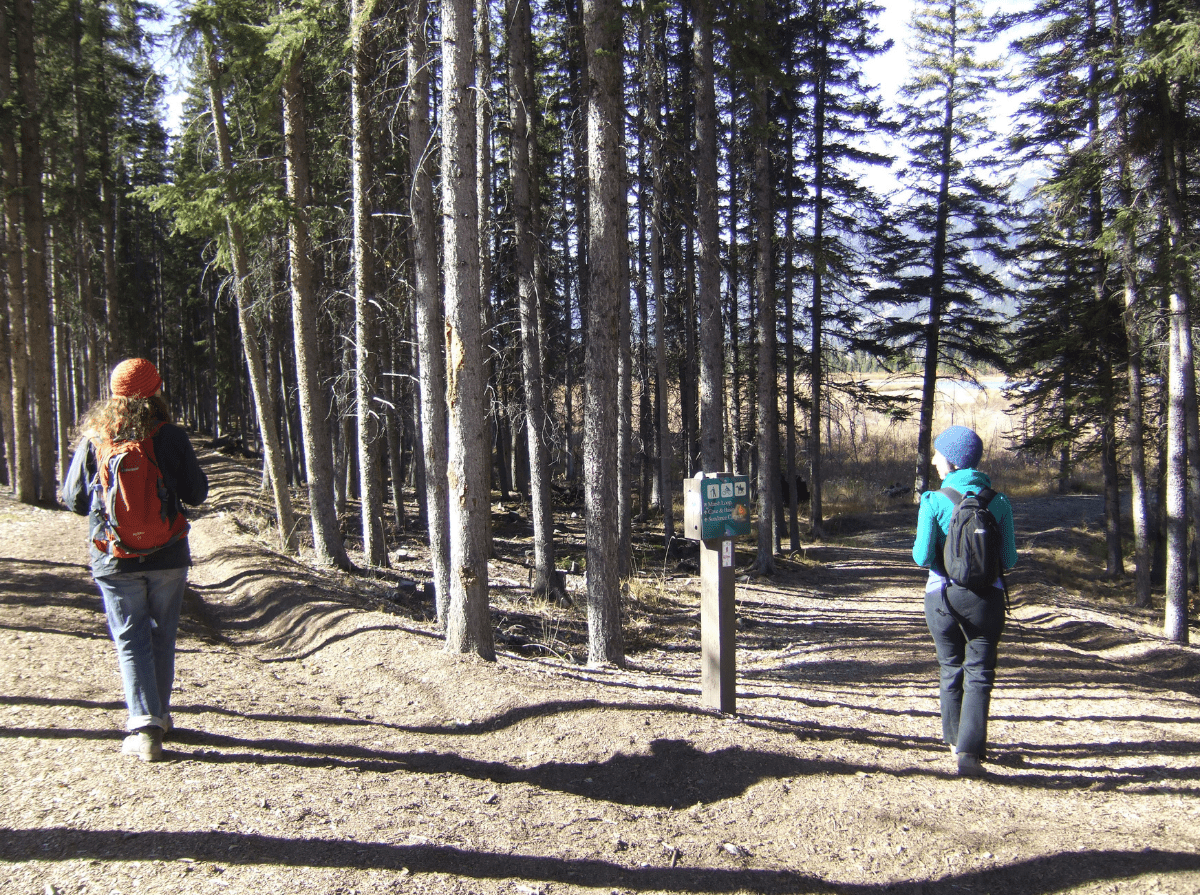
(133,496)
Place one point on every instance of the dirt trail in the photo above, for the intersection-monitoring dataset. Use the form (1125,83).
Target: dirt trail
(327,745)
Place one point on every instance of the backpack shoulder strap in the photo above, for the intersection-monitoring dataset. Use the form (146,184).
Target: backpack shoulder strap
(954,496)
(985,496)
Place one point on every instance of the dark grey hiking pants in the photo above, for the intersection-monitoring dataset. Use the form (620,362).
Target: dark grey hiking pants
(966,629)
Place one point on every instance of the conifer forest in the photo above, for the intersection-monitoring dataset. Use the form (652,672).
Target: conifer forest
(414,253)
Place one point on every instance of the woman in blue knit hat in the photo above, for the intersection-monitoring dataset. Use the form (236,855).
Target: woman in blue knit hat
(966,624)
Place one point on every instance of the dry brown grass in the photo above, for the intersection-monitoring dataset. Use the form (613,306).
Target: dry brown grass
(866,452)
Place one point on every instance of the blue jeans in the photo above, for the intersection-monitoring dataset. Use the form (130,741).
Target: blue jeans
(966,640)
(143,617)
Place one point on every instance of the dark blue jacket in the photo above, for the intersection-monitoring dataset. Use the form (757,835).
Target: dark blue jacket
(185,481)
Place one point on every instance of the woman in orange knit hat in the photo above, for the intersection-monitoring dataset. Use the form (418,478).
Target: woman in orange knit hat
(131,472)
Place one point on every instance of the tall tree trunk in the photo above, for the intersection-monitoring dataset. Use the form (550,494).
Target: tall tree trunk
(645,421)
(468,624)
(1181,370)
(817,314)
(252,337)
(7,473)
(62,411)
(712,347)
(110,337)
(624,379)
(605,123)
(497,407)
(1114,565)
(933,324)
(521,100)
(768,379)
(657,279)
(430,321)
(314,405)
(83,261)
(792,496)
(37,303)
(735,460)
(568,319)
(393,422)
(579,77)
(22,451)
(1175,625)
(365,298)
(1134,414)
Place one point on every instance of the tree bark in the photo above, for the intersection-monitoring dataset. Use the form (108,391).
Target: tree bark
(110,342)
(83,262)
(314,405)
(645,420)
(6,415)
(603,32)
(712,342)
(521,99)
(468,624)
(252,337)
(22,451)
(657,279)
(792,496)
(817,364)
(625,472)
(933,323)
(62,411)
(1181,370)
(366,301)
(499,465)
(768,379)
(1134,414)
(37,303)
(430,321)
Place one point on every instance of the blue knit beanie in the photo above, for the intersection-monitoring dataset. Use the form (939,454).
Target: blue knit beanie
(961,446)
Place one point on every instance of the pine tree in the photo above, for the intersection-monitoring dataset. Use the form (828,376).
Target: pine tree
(521,100)
(1063,133)
(843,213)
(603,29)
(369,443)
(954,208)
(314,405)
(468,625)
(250,330)
(428,307)
(712,354)
(19,422)
(37,301)
(765,71)
(1171,59)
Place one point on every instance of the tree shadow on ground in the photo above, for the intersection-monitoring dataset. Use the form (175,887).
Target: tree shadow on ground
(673,775)
(1038,876)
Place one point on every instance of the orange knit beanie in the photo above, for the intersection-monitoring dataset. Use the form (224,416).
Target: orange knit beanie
(135,378)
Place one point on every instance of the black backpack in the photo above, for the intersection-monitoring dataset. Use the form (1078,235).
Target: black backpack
(973,548)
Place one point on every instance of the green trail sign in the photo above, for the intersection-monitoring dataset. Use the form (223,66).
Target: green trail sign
(716,506)
(716,509)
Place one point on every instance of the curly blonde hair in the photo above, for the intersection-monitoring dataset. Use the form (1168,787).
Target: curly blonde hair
(118,419)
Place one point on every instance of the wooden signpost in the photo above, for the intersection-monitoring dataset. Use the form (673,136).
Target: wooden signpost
(716,509)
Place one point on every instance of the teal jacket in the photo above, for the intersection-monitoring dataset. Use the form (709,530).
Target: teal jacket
(933,522)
